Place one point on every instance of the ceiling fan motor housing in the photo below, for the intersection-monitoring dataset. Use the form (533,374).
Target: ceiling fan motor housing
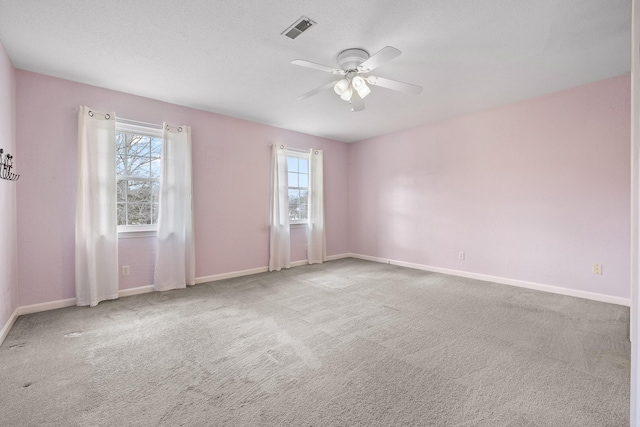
(349,59)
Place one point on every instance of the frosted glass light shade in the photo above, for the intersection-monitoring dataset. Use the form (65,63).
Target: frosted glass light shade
(360,86)
(341,86)
(358,82)
(346,95)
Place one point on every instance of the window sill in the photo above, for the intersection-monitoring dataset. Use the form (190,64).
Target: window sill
(133,233)
(297,225)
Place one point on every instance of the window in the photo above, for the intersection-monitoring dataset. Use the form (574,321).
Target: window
(298,169)
(138,151)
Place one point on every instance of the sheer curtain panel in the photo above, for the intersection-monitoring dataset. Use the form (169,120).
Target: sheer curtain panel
(96,224)
(279,243)
(175,252)
(316,241)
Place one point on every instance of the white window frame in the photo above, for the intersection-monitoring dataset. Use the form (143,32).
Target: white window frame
(146,230)
(301,155)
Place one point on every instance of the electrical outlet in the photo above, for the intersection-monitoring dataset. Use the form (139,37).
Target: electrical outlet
(125,270)
(461,255)
(597,268)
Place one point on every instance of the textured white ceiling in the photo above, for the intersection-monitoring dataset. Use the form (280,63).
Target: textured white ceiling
(228,57)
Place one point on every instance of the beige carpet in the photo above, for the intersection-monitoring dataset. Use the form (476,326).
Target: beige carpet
(346,343)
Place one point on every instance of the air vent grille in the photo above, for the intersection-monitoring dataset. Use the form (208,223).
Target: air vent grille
(298,27)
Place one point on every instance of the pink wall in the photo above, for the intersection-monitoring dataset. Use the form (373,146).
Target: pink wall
(535,191)
(8,226)
(231,167)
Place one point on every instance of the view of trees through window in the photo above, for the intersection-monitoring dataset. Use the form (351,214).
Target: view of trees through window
(138,178)
(298,177)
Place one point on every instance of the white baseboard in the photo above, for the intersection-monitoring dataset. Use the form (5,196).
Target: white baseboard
(339,256)
(231,275)
(46,306)
(503,280)
(135,291)
(7,327)
(70,302)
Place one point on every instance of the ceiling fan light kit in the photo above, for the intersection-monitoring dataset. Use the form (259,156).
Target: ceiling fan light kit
(353,86)
(341,86)
(360,86)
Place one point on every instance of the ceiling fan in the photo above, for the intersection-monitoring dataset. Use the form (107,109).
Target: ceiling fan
(355,65)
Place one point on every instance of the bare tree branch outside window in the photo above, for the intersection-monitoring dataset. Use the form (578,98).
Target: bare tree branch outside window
(138,178)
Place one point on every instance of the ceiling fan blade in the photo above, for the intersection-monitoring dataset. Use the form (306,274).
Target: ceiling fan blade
(385,54)
(316,91)
(303,63)
(394,85)
(357,103)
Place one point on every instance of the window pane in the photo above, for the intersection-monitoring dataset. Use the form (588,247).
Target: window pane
(294,197)
(139,213)
(135,200)
(293,179)
(304,197)
(122,214)
(303,165)
(121,166)
(292,164)
(129,144)
(154,213)
(121,143)
(139,145)
(155,192)
(303,180)
(139,191)
(121,191)
(303,211)
(293,213)
(155,168)
(138,166)
(156,147)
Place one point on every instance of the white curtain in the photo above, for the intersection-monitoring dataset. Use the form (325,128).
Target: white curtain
(175,252)
(279,245)
(96,222)
(316,241)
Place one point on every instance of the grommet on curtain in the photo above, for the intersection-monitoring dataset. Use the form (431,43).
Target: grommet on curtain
(315,152)
(176,129)
(282,147)
(107,116)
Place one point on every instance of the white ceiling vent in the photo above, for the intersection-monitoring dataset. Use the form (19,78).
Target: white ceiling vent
(298,27)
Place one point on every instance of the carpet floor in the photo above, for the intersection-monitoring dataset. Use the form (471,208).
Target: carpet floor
(345,343)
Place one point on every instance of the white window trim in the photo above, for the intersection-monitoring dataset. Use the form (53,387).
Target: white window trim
(131,231)
(129,126)
(301,154)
